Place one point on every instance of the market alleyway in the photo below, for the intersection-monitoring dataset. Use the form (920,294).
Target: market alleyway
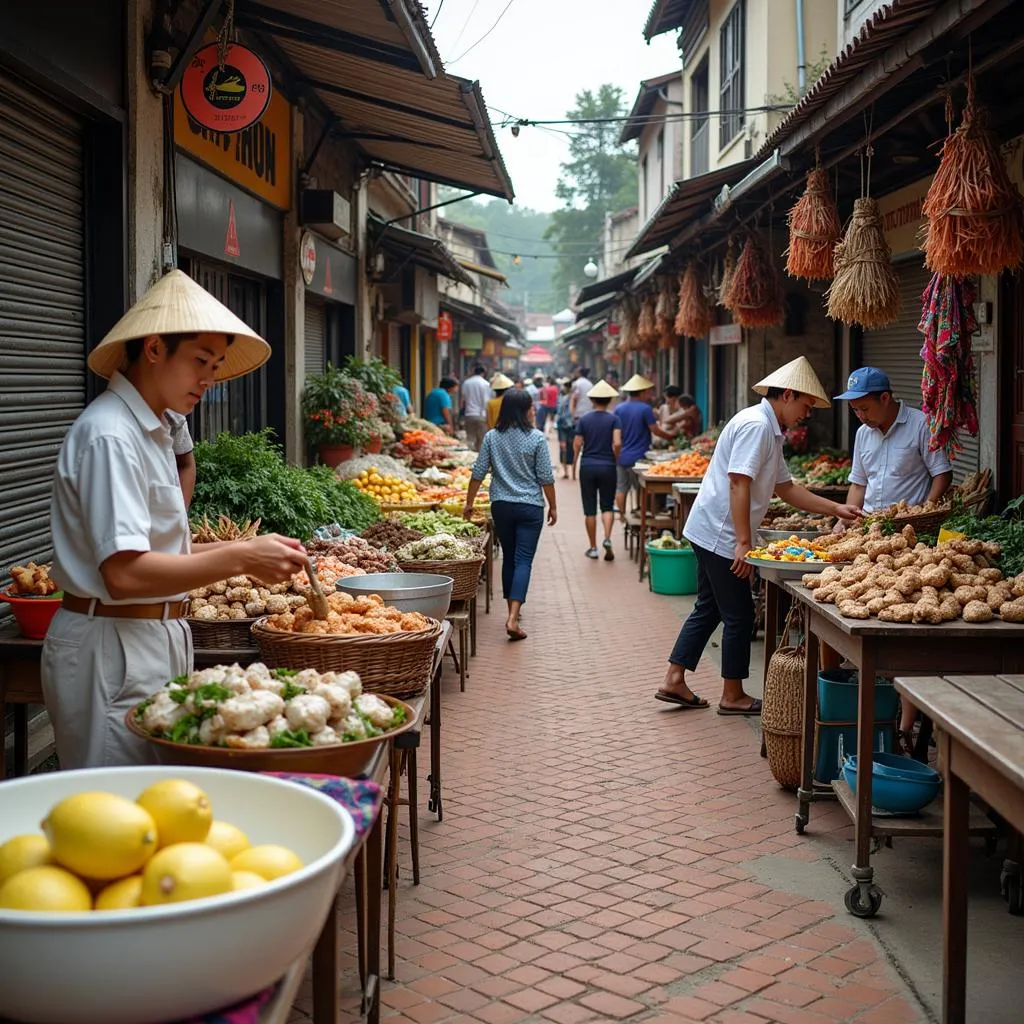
(599,855)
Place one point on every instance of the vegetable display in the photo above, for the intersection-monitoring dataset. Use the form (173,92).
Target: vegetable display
(381,463)
(1008,533)
(354,551)
(430,523)
(32,580)
(438,547)
(828,468)
(385,488)
(666,542)
(258,708)
(389,534)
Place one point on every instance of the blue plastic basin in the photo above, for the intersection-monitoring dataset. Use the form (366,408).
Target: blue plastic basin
(902,788)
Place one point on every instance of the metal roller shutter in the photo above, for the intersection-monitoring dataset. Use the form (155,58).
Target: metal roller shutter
(42,309)
(897,351)
(314,337)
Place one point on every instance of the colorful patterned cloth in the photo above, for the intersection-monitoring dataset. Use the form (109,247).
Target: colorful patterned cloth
(363,801)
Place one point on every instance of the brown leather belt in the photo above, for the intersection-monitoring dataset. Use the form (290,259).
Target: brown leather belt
(92,606)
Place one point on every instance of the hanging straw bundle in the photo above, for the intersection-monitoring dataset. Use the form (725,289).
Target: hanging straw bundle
(630,315)
(814,230)
(755,295)
(728,268)
(975,220)
(665,309)
(865,289)
(647,327)
(693,316)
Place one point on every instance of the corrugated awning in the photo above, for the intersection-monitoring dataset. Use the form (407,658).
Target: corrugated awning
(374,65)
(687,200)
(595,306)
(477,268)
(588,326)
(479,315)
(664,16)
(413,247)
(606,286)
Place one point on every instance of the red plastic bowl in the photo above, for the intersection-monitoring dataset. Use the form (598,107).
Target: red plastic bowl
(33,614)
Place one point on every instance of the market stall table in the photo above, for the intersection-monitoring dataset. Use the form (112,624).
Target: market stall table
(981,742)
(888,649)
(651,487)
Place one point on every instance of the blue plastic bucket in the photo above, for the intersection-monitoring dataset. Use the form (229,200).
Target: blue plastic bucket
(837,697)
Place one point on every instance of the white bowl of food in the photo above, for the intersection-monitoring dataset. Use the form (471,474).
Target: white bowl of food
(154,964)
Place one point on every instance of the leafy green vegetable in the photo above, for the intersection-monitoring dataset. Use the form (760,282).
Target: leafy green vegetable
(400,715)
(291,690)
(1008,533)
(181,680)
(211,691)
(284,673)
(179,695)
(371,729)
(141,709)
(245,476)
(288,739)
(186,730)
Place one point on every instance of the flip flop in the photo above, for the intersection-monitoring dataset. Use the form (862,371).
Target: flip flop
(751,712)
(515,634)
(694,703)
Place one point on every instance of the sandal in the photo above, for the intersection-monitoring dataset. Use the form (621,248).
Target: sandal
(753,711)
(693,703)
(515,634)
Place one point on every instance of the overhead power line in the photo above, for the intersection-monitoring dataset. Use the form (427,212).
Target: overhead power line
(497,21)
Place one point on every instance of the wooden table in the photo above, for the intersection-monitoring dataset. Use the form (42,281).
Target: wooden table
(887,649)
(650,488)
(685,494)
(981,739)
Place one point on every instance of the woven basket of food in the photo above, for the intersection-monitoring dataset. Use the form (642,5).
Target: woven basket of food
(222,634)
(392,651)
(782,708)
(445,555)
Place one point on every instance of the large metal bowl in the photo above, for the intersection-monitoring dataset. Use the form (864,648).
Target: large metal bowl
(426,593)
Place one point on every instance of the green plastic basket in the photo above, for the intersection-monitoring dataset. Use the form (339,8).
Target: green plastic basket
(672,571)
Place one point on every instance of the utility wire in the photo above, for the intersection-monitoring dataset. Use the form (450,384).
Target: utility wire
(485,35)
(465,24)
(436,15)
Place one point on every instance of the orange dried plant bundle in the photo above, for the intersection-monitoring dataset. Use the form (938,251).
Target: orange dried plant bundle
(755,294)
(664,311)
(630,315)
(865,289)
(814,230)
(647,327)
(693,315)
(728,268)
(973,210)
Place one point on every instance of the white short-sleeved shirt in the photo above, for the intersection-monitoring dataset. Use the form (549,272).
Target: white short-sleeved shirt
(476,393)
(181,438)
(749,445)
(896,466)
(116,489)
(581,388)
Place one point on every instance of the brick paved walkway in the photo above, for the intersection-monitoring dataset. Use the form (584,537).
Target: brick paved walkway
(597,856)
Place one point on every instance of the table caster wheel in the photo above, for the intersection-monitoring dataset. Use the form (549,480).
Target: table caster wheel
(863,903)
(801,824)
(1011,884)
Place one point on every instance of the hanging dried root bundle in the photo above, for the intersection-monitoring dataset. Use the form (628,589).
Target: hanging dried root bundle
(975,220)
(755,294)
(630,315)
(693,316)
(865,289)
(728,268)
(665,310)
(814,230)
(647,327)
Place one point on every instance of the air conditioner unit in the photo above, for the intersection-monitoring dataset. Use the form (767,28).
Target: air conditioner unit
(326,212)
(413,299)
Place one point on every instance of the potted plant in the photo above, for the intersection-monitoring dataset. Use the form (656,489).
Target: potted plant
(375,435)
(339,413)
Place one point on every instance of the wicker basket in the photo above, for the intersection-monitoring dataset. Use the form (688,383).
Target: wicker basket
(782,708)
(464,571)
(413,506)
(929,522)
(222,634)
(392,664)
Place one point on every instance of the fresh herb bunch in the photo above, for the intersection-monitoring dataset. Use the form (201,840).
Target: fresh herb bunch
(1007,530)
(245,476)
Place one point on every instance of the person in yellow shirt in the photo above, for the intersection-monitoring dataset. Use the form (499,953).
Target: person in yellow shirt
(499,385)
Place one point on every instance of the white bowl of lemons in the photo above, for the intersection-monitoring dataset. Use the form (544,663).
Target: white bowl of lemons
(142,895)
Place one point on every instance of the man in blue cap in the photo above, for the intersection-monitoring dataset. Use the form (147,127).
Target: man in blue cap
(891,460)
(891,463)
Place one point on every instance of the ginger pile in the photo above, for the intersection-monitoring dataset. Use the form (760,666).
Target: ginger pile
(350,615)
(898,579)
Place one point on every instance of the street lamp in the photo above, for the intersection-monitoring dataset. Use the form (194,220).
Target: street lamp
(590,270)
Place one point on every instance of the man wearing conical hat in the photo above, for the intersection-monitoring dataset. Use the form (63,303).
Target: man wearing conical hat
(638,424)
(499,385)
(122,546)
(746,471)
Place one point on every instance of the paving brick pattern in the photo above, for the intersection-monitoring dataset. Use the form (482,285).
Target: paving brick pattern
(593,860)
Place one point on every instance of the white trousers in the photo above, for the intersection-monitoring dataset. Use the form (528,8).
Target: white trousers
(94,670)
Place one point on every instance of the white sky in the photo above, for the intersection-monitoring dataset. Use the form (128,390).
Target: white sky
(535,61)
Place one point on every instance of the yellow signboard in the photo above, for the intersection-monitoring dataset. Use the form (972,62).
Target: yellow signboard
(257,159)
(902,218)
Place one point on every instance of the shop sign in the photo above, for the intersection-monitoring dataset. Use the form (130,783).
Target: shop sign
(489,348)
(902,216)
(307,256)
(726,334)
(226,95)
(444,327)
(471,341)
(257,158)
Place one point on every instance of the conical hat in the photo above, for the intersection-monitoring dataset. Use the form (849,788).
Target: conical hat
(499,382)
(178,305)
(797,375)
(602,389)
(638,383)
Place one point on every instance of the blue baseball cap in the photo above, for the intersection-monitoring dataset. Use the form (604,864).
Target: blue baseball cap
(865,381)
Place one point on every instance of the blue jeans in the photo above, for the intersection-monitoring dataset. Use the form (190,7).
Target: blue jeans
(518,526)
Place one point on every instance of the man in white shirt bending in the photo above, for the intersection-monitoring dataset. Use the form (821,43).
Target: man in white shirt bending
(746,470)
(476,393)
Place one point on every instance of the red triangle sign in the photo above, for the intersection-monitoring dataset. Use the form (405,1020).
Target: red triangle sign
(328,289)
(231,240)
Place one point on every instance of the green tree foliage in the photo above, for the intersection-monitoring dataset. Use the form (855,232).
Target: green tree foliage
(599,177)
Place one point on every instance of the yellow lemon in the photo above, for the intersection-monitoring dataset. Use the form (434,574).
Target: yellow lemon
(45,888)
(228,840)
(23,852)
(246,880)
(122,895)
(185,871)
(181,810)
(269,861)
(100,835)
